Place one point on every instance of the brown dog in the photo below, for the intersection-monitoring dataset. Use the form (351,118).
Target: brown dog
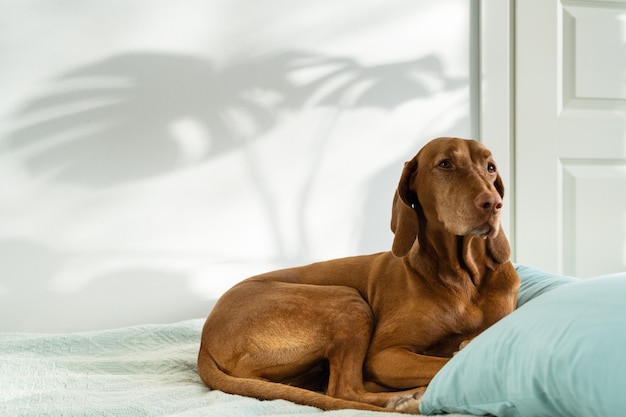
(372,331)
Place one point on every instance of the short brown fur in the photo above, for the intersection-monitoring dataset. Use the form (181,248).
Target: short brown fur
(371,331)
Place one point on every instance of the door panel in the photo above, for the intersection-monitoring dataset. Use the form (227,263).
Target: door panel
(594,33)
(594,237)
(571,136)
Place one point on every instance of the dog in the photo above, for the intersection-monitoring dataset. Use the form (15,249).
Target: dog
(370,332)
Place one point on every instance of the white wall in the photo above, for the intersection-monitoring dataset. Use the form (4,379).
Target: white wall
(153,153)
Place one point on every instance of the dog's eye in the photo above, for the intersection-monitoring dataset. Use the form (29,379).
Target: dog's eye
(491,168)
(445,164)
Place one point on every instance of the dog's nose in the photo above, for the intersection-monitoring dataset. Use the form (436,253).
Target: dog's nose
(489,202)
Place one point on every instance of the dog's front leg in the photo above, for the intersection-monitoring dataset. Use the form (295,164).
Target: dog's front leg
(401,369)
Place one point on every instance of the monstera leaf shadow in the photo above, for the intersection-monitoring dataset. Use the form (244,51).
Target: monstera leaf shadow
(140,114)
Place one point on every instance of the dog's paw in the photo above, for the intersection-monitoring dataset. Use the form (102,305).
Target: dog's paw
(407,403)
(462,345)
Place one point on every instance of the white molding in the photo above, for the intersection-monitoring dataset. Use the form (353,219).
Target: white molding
(496,108)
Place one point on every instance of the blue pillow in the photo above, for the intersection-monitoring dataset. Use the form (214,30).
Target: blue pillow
(534,282)
(562,353)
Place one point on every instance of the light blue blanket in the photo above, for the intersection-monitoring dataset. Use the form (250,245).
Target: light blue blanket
(136,371)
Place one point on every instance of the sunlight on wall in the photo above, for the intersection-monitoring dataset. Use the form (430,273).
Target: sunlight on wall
(170,150)
(192,139)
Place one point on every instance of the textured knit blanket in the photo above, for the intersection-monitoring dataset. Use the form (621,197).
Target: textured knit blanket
(135,371)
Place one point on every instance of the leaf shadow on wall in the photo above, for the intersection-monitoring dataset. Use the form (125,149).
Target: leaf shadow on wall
(120,119)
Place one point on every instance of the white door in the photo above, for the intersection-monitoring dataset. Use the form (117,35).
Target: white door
(570,135)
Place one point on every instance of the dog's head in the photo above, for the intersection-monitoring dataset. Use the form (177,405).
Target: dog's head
(451,185)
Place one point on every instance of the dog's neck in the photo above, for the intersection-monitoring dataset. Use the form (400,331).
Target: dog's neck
(450,256)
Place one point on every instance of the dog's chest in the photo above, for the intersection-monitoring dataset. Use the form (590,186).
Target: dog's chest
(466,317)
(454,324)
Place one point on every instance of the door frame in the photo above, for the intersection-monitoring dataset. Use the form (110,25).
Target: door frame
(496,96)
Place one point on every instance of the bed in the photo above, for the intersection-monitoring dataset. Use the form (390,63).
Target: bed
(563,352)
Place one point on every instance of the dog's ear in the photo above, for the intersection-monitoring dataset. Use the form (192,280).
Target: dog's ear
(498,246)
(404,222)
